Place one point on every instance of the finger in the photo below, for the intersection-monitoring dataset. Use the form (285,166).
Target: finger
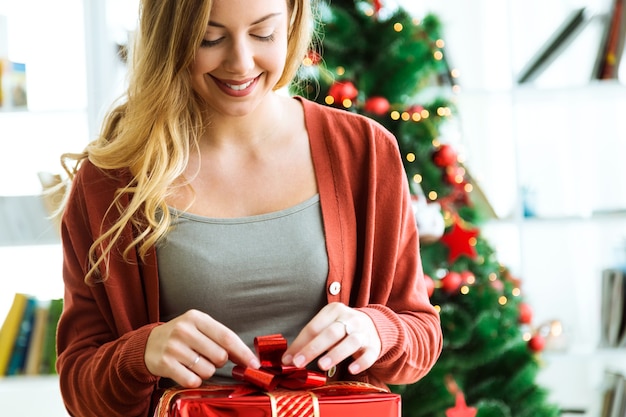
(191,376)
(350,345)
(201,366)
(223,344)
(320,344)
(322,320)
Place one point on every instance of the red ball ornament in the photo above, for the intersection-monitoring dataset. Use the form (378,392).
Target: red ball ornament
(430,285)
(445,156)
(497,285)
(468,277)
(454,174)
(416,108)
(377,105)
(525,313)
(451,282)
(537,343)
(343,90)
(313,57)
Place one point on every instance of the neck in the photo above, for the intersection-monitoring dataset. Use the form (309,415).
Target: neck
(249,130)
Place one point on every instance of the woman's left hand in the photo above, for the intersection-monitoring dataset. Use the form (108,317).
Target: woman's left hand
(336,332)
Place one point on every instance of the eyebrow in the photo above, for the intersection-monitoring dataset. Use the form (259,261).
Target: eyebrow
(256,22)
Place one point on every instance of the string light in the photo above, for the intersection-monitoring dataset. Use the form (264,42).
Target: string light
(406,116)
(433,196)
(410,157)
(438,55)
(416,117)
(398,27)
(307,62)
(417,178)
(516,292)
(465,290)
(502,300)
(444,111)
(340,70)
(395,115)
(468,188)
(440,43)
(347,103)
(329,100)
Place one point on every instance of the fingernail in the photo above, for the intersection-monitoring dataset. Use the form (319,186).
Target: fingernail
(299,361)
(324,363)
(254,363)
(354,368)
(287,359)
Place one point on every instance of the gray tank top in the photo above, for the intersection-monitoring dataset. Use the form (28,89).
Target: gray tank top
(257,275)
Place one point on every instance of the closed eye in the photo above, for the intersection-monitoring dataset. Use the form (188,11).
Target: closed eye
(208,43)
(268,38)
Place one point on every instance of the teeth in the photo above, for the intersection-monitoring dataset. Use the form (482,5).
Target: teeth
(240,86)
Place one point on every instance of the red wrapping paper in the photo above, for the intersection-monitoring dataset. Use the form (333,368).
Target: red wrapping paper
(340,399)
(279,391)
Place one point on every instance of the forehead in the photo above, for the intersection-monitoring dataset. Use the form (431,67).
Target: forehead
(246,12)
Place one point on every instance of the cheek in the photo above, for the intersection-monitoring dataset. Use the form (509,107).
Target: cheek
(203,64)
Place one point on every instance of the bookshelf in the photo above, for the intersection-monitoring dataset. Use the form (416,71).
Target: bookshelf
(547,153)
(65,104)
(31,396)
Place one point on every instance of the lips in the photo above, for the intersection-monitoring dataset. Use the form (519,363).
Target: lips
(236,88)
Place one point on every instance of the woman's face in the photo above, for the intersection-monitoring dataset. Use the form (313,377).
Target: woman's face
(242,54)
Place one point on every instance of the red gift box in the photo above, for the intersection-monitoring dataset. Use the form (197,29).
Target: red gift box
(279,391)
(338,399)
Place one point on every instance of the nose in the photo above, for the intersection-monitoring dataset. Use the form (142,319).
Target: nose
(240,59)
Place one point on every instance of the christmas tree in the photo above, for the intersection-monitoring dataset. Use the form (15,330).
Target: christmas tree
(391,66)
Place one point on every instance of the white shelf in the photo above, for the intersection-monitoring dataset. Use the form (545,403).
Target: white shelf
(28,396)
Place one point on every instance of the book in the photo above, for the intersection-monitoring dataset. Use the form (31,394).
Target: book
(618,405)
(13,92)
(607,392)
(20,348)
(613,313)
(38,334)
(48,350)
(613,42)
(10,329)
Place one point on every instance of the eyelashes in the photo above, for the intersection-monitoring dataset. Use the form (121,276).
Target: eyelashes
(210,43)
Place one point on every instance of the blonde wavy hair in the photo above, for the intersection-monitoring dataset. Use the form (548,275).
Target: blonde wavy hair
(160,119)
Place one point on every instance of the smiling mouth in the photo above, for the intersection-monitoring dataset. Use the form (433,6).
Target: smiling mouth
(240,87)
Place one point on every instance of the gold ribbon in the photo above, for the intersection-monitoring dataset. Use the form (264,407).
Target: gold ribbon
(294,404)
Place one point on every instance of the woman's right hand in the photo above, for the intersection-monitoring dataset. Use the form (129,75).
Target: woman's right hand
(189,349)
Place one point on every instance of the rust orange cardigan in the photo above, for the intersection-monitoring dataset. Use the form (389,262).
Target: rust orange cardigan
(374,265)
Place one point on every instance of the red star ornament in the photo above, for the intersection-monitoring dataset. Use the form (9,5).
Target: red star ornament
(378,4)
(461,409)
(459,242)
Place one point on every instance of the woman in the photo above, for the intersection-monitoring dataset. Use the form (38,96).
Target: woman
(213,209)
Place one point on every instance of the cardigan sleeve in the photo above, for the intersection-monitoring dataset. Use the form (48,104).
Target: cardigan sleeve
(391,289)
(101,337)
(372,240)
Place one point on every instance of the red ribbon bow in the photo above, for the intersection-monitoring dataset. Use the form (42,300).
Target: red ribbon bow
(273,373)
